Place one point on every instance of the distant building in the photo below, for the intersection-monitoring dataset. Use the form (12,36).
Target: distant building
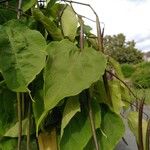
(146,56)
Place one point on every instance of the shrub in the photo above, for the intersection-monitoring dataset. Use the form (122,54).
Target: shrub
(127,70)
(141,77)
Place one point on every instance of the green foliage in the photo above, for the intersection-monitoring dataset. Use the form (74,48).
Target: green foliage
(121,50)
(67,86)
(127,70)
(78,131)
(141,76)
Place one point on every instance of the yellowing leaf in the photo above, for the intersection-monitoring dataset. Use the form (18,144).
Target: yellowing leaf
(69,23)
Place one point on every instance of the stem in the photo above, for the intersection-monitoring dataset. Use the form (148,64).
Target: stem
(101,48)
(148,136)
(92,123)
(99,35)
(29,125)
(140,132)
(19,120)
(23,105)
(81,33)
(19,9)
(107,89)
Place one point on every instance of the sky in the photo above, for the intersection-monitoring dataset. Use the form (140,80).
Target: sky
(130,17)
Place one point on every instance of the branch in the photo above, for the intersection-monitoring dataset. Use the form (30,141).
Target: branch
(123,83)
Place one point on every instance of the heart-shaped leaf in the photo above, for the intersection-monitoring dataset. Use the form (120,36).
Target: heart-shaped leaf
(69,71)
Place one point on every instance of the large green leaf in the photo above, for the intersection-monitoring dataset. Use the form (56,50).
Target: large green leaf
(112,128)
(22,55)
(27,4)
(49,25)
(71,108)
(69,23)
(78,132)
(69,71)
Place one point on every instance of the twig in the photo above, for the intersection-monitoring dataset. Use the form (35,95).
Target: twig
(123,83)
(19,120)
(90,112)
(123,139)
(140,131)
(137,108)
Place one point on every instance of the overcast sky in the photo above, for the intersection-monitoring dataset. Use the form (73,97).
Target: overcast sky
(131,17)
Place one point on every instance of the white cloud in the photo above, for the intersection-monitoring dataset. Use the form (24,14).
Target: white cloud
(130,17)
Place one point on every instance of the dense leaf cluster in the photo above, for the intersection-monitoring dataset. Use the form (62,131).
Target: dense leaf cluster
(53,83)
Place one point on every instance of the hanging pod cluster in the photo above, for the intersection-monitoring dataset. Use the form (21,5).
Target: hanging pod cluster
(54,86)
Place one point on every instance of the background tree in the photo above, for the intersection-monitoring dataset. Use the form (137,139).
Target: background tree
(121,50)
